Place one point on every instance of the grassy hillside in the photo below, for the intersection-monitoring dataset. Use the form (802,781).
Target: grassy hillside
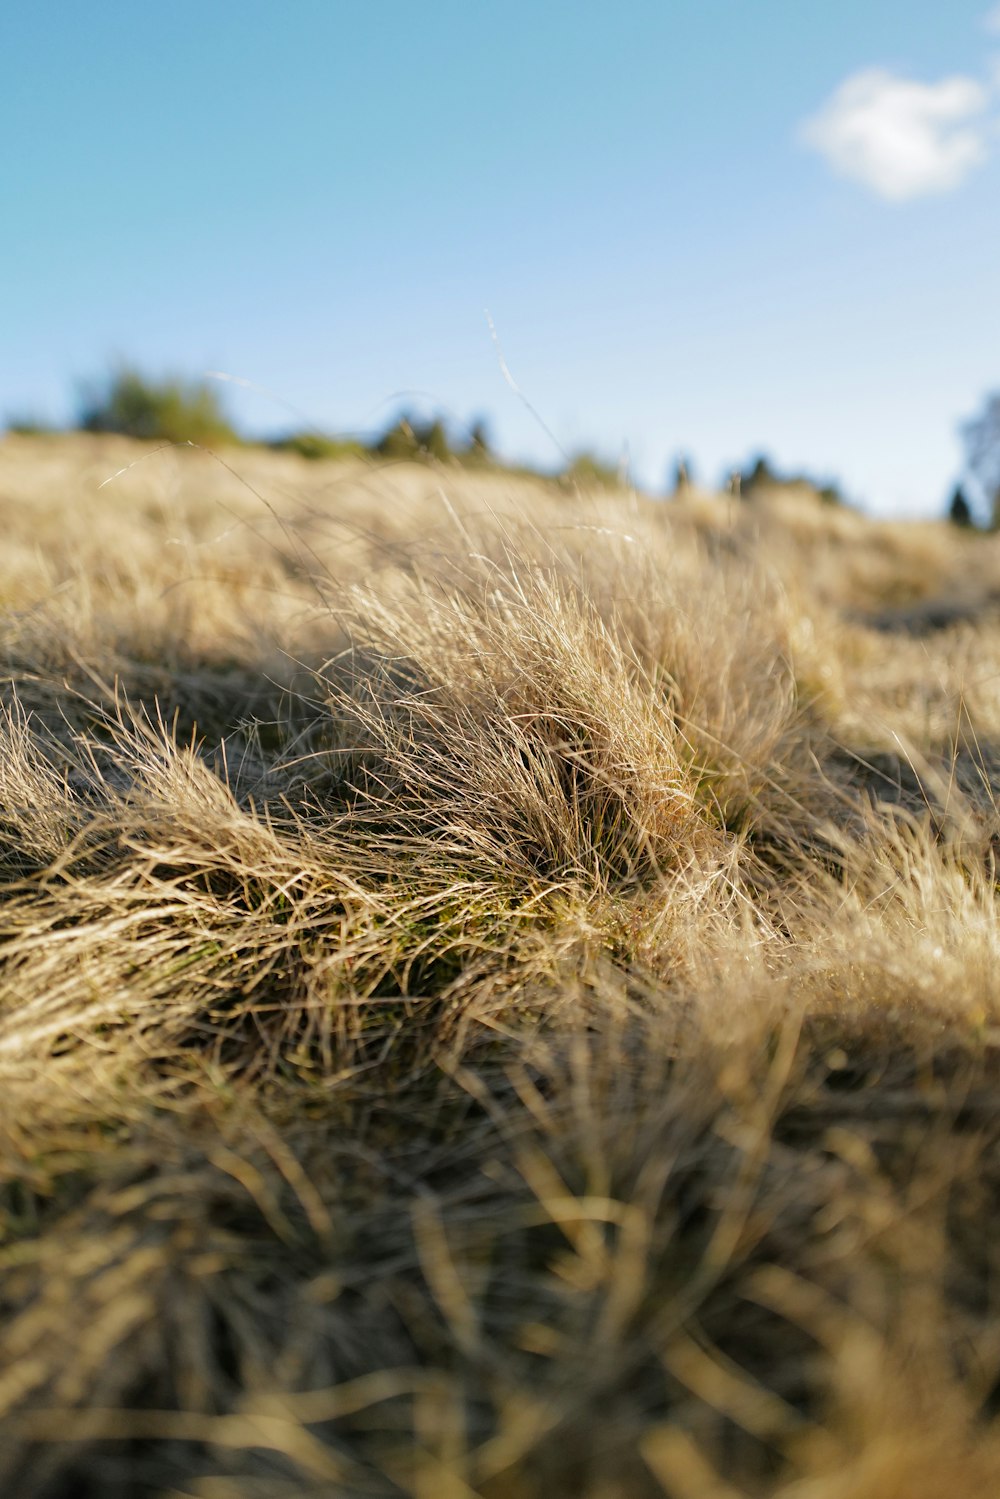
(500,987)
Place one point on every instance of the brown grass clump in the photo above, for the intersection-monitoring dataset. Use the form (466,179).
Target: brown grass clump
(498,990)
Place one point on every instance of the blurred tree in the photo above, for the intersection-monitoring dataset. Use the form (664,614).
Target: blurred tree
(398,441)
(683,470)
(587,468)
(433,440)
(761,475)
(480,445)
(959,511)
(28,425)
(169,410)
(981,438)
(317,445)
(411,438)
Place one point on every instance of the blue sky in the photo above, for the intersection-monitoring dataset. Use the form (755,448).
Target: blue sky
(709,226)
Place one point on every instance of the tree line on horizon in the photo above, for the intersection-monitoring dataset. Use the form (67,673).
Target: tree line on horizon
(178,410)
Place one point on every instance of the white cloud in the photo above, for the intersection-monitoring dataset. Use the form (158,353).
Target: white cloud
(900,138)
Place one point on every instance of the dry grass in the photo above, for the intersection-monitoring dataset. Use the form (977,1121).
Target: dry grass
(500,990)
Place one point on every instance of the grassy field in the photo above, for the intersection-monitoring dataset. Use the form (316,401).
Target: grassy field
(500,988)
